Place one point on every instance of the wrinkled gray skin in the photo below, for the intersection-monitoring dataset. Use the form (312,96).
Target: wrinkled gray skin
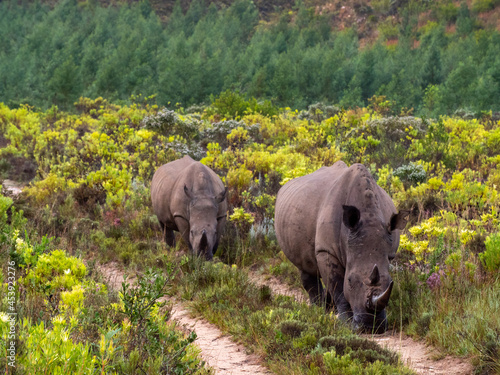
(337,225)
(190,198)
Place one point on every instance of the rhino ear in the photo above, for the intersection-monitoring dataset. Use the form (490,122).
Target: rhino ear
(351,217)
(399,220)
(187,192)
(221,196)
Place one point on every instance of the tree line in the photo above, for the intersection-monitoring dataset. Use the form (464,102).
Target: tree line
(53,55)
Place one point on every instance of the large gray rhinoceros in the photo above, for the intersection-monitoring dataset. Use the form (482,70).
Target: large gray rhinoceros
(190,198)
(338,225)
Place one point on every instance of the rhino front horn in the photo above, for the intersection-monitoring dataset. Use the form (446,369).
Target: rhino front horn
(380,302)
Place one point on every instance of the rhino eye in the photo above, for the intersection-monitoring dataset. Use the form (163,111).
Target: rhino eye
(391,257)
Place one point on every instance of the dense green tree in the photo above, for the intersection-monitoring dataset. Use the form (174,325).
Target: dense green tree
(431,73)
(465,21)
(459,86)
(54,55)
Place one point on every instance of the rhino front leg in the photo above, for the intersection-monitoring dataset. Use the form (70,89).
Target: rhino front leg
(341,305)
(332,275)
(168,234)
(183,227)
(312,285)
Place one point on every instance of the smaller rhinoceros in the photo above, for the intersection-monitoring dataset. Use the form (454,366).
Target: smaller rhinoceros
(338,227)
(190,198)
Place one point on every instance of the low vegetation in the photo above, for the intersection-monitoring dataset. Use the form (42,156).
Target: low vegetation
(89,201)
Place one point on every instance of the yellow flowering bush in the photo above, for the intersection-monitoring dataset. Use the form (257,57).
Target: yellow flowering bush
(418,248)
(430,228)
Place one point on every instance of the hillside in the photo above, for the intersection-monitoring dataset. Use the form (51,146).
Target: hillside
(370,18)
(427,58)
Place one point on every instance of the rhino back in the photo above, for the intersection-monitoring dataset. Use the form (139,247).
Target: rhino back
(298,207)
(366,195)
(167,188)
(165,183)
(309,211)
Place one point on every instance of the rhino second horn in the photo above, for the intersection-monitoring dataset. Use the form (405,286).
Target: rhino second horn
(380,302)
(374,276)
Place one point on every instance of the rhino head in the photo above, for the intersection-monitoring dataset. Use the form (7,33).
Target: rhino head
(203,220)
(372,244)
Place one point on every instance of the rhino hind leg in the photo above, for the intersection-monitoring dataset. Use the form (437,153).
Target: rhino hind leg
(312,285)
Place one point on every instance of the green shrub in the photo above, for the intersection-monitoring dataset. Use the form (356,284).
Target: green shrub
(360,348)
(411,174)
(292,328)
(230,104)
(55,271)
(491,256)
(5,204)
(168,122)
(52,351)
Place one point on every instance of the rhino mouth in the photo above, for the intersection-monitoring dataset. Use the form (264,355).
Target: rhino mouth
(373,318)
(370,323)
(204,248)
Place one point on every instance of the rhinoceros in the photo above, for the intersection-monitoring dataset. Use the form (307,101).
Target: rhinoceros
(190,198)
(337,225)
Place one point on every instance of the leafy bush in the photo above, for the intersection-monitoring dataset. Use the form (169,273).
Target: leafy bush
(242,219)
(55,271)
(138,302)
(220,131)
(319,112)
(169,122)
(491,256)
(52,350)
(348,365)
(411,174)
(231,104)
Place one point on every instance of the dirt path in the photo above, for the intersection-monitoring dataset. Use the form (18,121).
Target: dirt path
(416,355)
(11,188)
(217,350)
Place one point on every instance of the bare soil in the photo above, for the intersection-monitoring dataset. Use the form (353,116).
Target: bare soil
(419,357)
(11,188)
